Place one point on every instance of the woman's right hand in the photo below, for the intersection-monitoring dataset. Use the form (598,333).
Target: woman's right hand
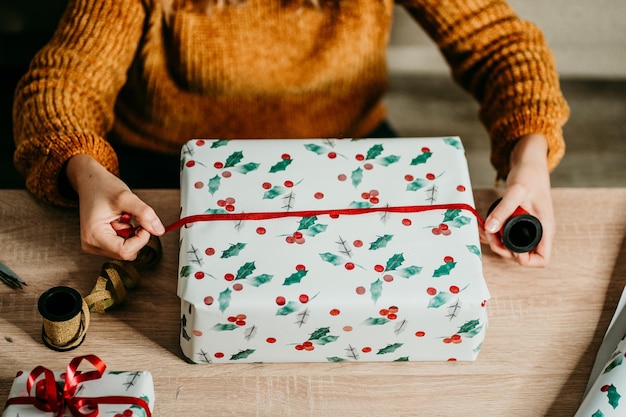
(103,199)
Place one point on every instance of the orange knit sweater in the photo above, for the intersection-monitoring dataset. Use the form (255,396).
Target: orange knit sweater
(121,70)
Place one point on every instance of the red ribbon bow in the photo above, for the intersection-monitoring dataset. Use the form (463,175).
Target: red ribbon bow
(52,397)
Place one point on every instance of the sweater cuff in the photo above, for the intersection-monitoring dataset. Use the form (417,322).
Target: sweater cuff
(43,160)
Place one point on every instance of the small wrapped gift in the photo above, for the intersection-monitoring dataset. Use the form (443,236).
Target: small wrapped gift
(75,393)
(329,250)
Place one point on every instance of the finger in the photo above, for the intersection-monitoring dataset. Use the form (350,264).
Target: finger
(111,245)
(496,245)
(145,216)
(510,201)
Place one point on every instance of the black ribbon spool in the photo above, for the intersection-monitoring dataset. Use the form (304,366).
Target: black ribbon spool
(521,232)
(63,329)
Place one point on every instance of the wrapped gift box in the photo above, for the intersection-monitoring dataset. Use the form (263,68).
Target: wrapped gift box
(329,250)
(116,393)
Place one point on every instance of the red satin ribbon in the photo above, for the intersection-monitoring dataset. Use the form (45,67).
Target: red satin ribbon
(309,213)
(49,398)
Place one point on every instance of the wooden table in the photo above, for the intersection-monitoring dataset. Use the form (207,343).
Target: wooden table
(545,326)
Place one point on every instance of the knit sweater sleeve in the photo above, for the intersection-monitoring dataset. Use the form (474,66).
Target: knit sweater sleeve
(505,63)
(64,103)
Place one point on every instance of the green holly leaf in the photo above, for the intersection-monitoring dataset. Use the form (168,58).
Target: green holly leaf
(296,277)
(281,166)
(475,250)
(402,359)
(454,142)
(320,150)
(360,204)
(376,289)
(287,309)
(394,262)
(410,271)
(326,339)
(274,192)
(460,221)
(451,214)
(356,177)
(417,184)
(376,321)
(444,269)
(389,348)
(315,230)
(319,333)
(249,167)
(331,258)
(260,280)
(185,271)
(243,354)
(183,320)
(614,364)
(245,270)
(186,335)
(215,211)
(335,359)
(597,414)
(307,222)
(233,250)
(613,396)
(224,299)
(380,242)
(440,299)
(223,327)
(421,159)
(471,328)
(388,160)
(374,151)
(214,184)
(219,143)
(233,159)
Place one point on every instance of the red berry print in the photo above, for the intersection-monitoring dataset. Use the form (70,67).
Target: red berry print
(198,185)
(454,289)
(409,177)
(288,184)
(229,277)
(303,298)
(229,207)
(285,156)
(332,155)
(318,195)
(407,222)
(238,287)
(297,235)
(218,165)
(226,174)
(443,226)
(374,193)
(374,200)
(290,239)
(308,345)
(280,300)
(368,166)
(335,312)
(360,290)
(199,275)
(430,176)
(232,319)
(190,164)
(349,266)
(365,196)
(451,359)
(271,340)
(127,413)
(230,200)
(388,278)
(390,312)
(425,149)
(300,267)
(342,177)
(266,185)
(357,243)
(260,230)
(431,291)
(484,303)
(379,268)
(200,142)
(359,157)
(208,300)
(221,203)
(448,259)
(604,388)
(218,354)
(366,349)
(460,188)
(436,231)
(383,312)
(299,347)
(420,333)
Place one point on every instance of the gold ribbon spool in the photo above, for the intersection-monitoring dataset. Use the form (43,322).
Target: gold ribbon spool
(65,318)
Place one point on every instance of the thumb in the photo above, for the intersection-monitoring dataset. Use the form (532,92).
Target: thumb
(145,215)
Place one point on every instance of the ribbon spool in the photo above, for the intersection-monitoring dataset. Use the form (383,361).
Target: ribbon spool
(65,318)
(521,232)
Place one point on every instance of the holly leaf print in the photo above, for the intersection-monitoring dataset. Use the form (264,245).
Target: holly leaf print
(186,335)
(389,348)
(233,250)
(416,184)
(454,142)
(380,242)
(315,229)
(460,222)
(376,321)
(597,414)
(249,167)
(360,204)
(214,184)
(307,222)
(374,151)
(319,333)
(440,299)
(215,211)
(613,396)
(260,280)
(287,309)
(335,359)
(376,289)
(614,364)
(245,270)
(410,271)
(394,262)
(281,166)
(475,250)
(450,215)
(185,271)
(356,177)
(274,192)
(224,299)
(444,269)
(219,143)
(421,159)
(296,277)
(471,328)
(402,359)
(326,339)
(388,160)
(223,327)
(320,150)
(233,159)
(243,354)
(331,258)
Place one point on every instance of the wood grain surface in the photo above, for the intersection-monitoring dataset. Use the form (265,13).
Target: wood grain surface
(545,325)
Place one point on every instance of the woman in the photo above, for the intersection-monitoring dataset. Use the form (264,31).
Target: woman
(147,75)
